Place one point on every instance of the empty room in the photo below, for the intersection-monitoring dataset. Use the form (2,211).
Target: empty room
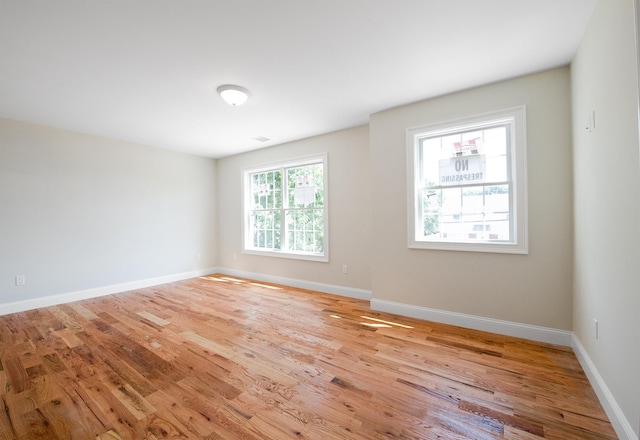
(340,219)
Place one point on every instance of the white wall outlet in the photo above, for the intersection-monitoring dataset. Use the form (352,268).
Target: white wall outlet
(345,269)
(595,328)
(21,280)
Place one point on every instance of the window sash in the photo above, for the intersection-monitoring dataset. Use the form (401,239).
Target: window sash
(482,215)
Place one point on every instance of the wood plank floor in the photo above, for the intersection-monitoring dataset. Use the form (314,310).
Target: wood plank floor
(221,358)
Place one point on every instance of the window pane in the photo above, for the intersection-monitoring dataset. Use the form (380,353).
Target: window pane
(497,211)
(496,169)
(277,228)
(495,141)
(472,200)
(495,147)
(318,233)
(447,215)
(431,204)
(299,242)
(277,195)
(431,153)
(305,185)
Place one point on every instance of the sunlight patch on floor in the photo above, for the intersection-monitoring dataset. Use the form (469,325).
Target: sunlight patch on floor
(386,322)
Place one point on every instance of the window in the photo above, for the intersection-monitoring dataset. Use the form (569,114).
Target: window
(286,209)
(467,184)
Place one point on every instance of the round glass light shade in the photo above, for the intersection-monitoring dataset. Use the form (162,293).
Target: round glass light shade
(233,95)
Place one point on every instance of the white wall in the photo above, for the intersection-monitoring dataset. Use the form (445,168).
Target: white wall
(79,212)
(532,289)
(349,211)
(607,202)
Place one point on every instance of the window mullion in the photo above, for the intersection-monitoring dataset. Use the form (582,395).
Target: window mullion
(284,184)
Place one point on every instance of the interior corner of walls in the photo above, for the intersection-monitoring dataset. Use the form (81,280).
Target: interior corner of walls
(620,423)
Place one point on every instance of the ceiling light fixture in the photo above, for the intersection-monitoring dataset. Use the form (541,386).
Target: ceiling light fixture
(233,95)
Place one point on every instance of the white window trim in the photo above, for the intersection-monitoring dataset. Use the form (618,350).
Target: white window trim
(519,243)
(246,207)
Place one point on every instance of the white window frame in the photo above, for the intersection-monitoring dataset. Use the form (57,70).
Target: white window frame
(517,172)
(247,204)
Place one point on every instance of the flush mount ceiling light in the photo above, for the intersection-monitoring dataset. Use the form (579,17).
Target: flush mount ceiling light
(233,95)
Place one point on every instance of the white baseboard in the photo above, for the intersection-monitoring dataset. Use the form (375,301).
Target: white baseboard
(350,292)
(617,418)
(52,300)
(526,331)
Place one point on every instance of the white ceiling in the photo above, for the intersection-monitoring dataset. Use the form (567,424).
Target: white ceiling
(146,71)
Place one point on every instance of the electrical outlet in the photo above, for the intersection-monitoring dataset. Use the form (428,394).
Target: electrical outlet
(595,328)
(345,269)
(21,280)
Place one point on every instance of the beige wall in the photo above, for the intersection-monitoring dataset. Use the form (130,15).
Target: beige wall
(79,212)
(367,174)
(607,201)
(349,211)
(531,289)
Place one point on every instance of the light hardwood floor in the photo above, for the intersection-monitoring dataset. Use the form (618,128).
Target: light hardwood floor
(221,358)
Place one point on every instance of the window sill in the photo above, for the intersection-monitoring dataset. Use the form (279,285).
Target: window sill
(289,255)
(487,247)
